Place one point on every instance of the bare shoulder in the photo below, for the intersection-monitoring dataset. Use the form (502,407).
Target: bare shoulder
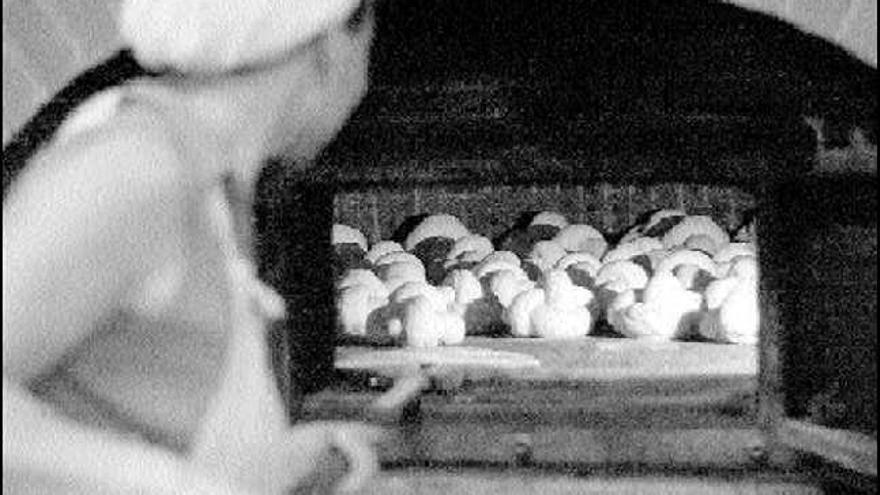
(127,166)
(134,148)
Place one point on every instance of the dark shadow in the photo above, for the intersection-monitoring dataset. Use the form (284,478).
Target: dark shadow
(407,226)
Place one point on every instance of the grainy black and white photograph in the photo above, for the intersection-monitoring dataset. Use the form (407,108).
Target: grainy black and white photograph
(435,247)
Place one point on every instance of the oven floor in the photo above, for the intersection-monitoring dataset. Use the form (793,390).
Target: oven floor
(583,359)
(593,401)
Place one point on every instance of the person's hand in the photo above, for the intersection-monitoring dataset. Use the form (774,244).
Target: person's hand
(193,481)
(326,457)
(315,457)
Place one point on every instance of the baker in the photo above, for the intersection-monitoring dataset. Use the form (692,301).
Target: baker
(135,354)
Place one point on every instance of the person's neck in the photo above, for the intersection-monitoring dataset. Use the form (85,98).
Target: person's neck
(242,112)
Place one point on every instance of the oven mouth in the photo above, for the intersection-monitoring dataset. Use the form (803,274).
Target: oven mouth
(461,119)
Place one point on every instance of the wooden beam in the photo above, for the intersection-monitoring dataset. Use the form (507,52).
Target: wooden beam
(850,449)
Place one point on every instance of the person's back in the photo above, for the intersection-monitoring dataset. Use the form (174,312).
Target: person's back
(160,349)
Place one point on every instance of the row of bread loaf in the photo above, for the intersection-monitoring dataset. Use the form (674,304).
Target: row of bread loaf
(669,277)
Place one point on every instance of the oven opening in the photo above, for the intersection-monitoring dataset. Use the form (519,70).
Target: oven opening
(603,281)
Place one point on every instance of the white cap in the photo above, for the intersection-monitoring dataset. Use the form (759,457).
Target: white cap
(215,36)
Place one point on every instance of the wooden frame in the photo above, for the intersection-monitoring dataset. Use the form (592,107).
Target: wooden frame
(794,284)
(851,450)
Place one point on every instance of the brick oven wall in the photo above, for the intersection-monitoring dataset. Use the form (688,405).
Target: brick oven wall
(490,210)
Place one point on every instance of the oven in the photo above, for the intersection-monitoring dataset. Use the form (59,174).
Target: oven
(487,134)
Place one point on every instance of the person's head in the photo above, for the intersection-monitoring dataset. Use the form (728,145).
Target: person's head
(325,86)
(301,63)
